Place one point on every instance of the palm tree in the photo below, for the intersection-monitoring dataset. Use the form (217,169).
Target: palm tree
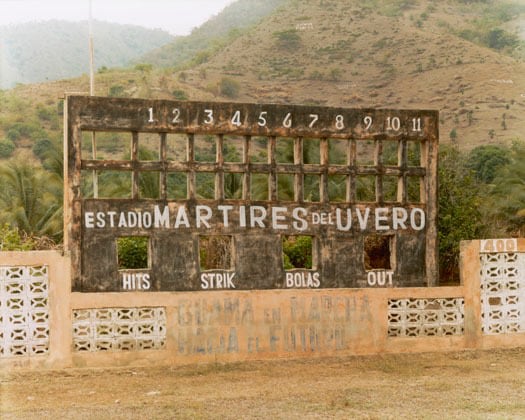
(28,199)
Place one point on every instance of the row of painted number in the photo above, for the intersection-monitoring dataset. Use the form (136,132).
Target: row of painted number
(391,123)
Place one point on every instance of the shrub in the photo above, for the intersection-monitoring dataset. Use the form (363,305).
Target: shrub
(13,134)
(144,67)
(229,87)
(44,114)
(180,95)
(336,74)
(498,39)
(11,240)
(29,130)
(41,147)
(288,40)
(116,91)
(7,147)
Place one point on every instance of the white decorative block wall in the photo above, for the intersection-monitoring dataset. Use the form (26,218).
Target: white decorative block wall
(426,317)
(503,292)
(24,311)
(119,329)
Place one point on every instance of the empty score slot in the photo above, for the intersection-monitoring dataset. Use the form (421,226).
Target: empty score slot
(133,252)
(378,252)
(298,252)
(215,252)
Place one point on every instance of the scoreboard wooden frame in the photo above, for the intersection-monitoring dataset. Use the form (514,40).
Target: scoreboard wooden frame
(174,227)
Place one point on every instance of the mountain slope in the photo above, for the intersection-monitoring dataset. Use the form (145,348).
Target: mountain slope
(372,54)
(237,16)
(53,50)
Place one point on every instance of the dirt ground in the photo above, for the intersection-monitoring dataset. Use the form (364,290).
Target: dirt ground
(470,384)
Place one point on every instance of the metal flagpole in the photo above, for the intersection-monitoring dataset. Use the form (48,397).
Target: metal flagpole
(91,54)
(92,93)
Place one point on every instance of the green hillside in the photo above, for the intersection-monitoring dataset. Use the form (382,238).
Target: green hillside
(214,33)
(53,50)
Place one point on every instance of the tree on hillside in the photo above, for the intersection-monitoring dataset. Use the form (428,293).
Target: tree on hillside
(486,160)
(288,40)
(508,192)
(459,216)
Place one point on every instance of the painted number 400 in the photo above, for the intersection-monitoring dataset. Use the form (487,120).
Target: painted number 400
(499,245)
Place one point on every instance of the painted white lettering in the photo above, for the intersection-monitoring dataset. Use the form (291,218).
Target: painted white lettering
(389,275)
(136,281)
(161,219)
(112,215)
(229,280)
(299,222)
(381,215)
(363,220)
(289,279)
(322,218)
(380,278)
(257,220)
(203,216)
(326,219)
(217,281)
(242,216)
(204,281)
(316,282)
(89,219)
(300,279)
(399,218)
(146,284)
(122,221)
(338,222)
(101,221)
(417,219)
(278,216)
(126,282)
(371,278)
(225,210)
(132,219)
(182,218)
(147,220)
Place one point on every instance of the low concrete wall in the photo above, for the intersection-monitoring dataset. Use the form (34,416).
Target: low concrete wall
(107,329)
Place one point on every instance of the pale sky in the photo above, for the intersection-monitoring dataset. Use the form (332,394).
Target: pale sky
(178,17)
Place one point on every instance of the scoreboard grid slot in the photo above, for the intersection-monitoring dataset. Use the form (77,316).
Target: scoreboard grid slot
(402,181)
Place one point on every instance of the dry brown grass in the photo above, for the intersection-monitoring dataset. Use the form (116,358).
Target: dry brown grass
(471,384)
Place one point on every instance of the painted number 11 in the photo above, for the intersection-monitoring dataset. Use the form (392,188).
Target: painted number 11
(416,124)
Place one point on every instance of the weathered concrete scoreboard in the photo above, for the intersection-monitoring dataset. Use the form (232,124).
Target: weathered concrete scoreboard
(208,195)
